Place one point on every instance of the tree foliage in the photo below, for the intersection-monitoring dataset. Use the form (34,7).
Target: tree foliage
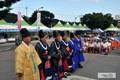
(46,18)
(63,22)
(11,18)
(98,20)
(71,23)
(54,22)
(4,11)
(7,3)
(77,23)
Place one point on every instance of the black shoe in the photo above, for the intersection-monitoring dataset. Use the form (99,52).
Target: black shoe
(106,54)
(71,70)
(80,66)
(56,77)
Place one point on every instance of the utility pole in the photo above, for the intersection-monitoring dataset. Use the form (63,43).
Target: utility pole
(39,18)
(26,9)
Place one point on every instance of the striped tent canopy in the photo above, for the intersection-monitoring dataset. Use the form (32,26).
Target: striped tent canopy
(10,27)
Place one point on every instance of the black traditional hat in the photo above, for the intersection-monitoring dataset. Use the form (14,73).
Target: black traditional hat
(42,33)
(77,32)
(24,32)
(56,33)
(63,33)
(72,35)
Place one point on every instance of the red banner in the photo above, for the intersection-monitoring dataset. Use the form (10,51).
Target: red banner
(19,20)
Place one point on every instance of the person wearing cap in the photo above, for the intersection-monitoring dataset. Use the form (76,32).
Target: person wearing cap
(56,56)
(42,49)
(66,52)
(26,59)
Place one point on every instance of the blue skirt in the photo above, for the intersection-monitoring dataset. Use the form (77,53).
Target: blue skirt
(81,57)
(75,62)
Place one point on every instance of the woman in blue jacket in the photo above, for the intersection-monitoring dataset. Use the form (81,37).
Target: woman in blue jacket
(79,50)
(74,58)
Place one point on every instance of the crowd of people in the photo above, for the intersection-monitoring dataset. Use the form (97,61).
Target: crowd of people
(57,58)
(49,62)
(100,46)
(97,46)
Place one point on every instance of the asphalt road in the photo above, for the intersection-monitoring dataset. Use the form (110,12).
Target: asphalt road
(94,63)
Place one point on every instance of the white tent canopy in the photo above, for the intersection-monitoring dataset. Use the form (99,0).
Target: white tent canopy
(61,27)
(43,27)
(112,28)
(83,27)
(70,27)
(58,26)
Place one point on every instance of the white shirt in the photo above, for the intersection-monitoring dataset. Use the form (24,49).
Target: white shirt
(98,44)
(91,44)
(109,44)
(106,44)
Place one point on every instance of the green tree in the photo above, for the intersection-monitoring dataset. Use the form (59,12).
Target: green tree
(5,7)
(98,20)
(7,3)
(63,22)
(11,18)
(46,18)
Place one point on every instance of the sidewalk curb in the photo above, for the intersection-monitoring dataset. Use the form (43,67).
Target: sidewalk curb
(74,77)
(81,77)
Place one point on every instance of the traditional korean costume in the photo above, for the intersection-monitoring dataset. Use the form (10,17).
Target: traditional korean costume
(42,49)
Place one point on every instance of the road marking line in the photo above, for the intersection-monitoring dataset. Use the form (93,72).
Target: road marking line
(80,78)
